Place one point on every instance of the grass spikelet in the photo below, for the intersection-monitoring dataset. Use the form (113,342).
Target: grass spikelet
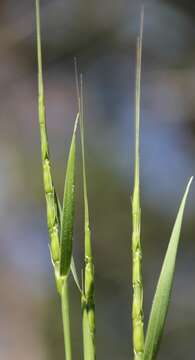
(50,193)
(88,302)
(137,305)
(60,222)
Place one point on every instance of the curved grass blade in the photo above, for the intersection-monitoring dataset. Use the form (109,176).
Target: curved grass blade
(137,305)
(67,221)
(164,287)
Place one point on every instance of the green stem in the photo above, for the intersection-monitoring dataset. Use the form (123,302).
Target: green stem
(86,351)
(66,319)
(137,306)
(89,311)
(88,341)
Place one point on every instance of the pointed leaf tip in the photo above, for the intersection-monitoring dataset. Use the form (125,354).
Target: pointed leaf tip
(76,123)
(164,287)
(68,211)
(190,181)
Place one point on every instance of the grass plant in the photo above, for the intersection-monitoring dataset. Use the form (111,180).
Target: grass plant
(61,220)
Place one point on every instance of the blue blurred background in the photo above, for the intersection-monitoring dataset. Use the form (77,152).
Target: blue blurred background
(102,34)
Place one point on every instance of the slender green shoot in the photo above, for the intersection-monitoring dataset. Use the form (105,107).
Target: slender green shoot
(53,205)
(60,223)
(137,305)
(88,302)
(89,264)
(50,193)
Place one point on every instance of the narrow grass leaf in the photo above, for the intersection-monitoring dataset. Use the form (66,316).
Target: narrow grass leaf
(164,286)
(67,223)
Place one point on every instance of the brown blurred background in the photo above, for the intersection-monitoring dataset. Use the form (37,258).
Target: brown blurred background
(102,35)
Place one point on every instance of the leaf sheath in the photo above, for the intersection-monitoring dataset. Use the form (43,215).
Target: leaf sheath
(66,319)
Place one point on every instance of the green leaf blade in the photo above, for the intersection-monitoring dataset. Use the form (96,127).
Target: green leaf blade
(164,287)
(67,221)
(72,265)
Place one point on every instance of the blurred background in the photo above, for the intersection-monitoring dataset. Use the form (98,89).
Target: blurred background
(102,34)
